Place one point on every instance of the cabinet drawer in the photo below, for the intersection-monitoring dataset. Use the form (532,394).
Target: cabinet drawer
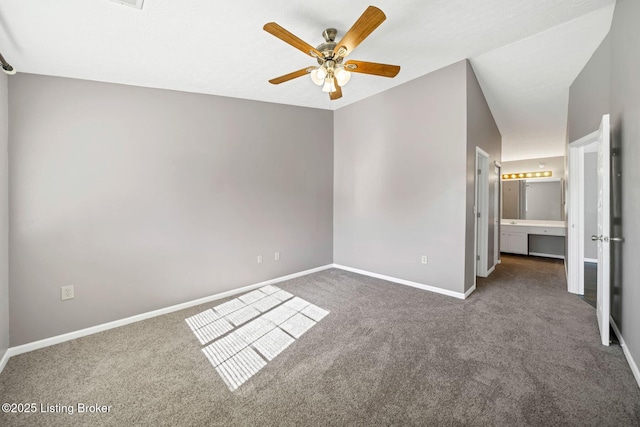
(550,231)
(513,229)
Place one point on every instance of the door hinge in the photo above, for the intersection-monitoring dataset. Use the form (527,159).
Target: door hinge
(479,171)
(477,257)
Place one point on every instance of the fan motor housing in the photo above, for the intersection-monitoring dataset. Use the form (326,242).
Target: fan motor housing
(328,47)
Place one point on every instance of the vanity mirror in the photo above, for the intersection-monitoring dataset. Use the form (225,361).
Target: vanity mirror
(532,199)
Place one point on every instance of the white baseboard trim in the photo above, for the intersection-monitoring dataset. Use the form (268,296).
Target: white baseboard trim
(491,270)
(471,289)
(434,289)
(25,348)
(546,255)
(4,360)
(627,354)
(592,260)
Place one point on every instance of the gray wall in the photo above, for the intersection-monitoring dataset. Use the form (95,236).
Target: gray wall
(403,159)
(482,132)
(400,176)
(144,198)
(625,121)
(588,101)
(589,94)
(4,218)
(590,204)
(552,245)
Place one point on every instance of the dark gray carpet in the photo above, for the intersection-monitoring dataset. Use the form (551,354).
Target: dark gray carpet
(519,351)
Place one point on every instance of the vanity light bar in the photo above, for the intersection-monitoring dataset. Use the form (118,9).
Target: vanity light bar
(527,175)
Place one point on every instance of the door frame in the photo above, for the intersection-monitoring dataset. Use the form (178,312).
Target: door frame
(481,213)
(575,233)
(575,211)
(497,206)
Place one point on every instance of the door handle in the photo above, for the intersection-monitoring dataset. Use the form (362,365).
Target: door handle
(606,239)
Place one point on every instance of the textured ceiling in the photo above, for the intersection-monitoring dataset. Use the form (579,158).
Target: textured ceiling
(522,50)
(527,84)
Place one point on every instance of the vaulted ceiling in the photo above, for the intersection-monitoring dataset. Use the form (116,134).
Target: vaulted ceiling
(526,53)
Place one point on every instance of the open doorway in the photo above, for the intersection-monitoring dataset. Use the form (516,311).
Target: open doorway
(590,225)
(583,216)
(482,213)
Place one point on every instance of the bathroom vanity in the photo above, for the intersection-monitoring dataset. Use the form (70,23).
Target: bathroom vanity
(533,237)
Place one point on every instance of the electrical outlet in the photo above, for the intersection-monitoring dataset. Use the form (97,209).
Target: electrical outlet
(276,256)
(66,292)
(424,259)
(259,259)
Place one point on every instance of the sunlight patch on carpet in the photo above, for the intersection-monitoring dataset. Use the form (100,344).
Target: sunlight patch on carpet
(247,332)
(213,330)
(243,315)
(240,368)
(266,303)
(298,325)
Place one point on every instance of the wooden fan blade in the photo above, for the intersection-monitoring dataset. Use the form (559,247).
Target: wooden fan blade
(287,37)
(369,21)
(291,76)
(338,93)
(384,70)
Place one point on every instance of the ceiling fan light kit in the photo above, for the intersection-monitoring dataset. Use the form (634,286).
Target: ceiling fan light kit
(6,67)
(331,73)
(318,75)
(328,74)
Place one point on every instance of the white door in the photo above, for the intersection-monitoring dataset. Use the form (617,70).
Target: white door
(603,238)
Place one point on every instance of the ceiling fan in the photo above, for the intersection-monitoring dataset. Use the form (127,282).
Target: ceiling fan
(332,72)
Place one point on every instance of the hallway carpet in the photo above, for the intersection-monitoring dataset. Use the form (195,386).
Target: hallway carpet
(519,351)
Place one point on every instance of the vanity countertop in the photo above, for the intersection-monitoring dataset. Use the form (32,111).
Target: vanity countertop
(533,223)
